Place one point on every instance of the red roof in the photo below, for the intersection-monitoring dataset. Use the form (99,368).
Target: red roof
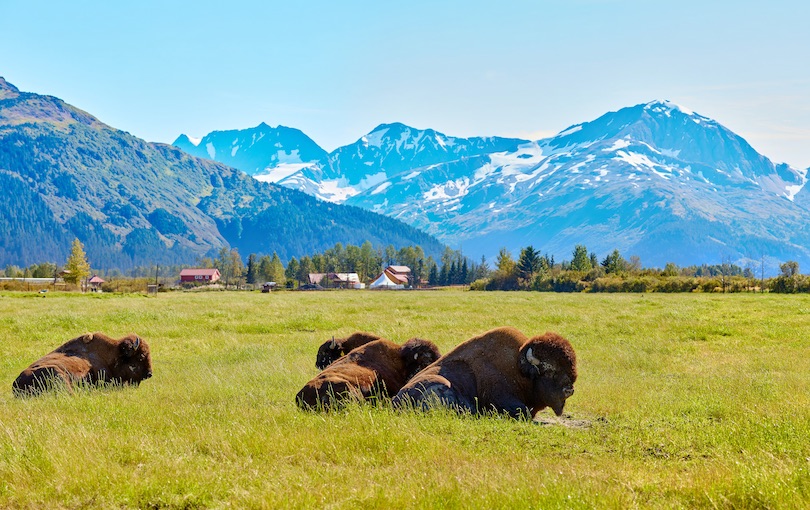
(400,278)
(399,269)
(95,279)
(199,272)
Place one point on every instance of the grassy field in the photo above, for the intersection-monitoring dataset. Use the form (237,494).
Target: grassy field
(686,400)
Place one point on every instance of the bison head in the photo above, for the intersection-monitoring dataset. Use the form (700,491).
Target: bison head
(328,353)
(550,362)
(417,354)
(134,360)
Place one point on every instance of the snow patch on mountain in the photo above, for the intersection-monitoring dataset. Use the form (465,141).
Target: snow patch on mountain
(194,141)
(336,190)
(382,187)
(570,131)
(281,171)
(212,151)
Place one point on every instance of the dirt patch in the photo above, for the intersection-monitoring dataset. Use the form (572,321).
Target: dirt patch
(566,420)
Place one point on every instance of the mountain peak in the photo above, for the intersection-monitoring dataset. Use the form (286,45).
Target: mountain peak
(667,106)
(7,90)
(184,139)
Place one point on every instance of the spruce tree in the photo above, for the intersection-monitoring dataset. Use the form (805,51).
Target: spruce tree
(252,269)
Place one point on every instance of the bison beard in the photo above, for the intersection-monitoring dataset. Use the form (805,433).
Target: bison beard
(500,371)
(93,358)
(372,371)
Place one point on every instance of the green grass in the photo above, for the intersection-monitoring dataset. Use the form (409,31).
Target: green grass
(693,400)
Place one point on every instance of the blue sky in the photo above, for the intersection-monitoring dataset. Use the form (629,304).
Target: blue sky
(337,69)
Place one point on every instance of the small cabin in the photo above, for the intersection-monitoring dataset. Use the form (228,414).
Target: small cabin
(94,283)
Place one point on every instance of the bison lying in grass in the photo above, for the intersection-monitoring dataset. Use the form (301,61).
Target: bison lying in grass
(500,371)
(91,358)
(331,350)
(372,371)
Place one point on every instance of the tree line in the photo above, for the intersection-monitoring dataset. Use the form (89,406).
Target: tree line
(585,272)
(532,271)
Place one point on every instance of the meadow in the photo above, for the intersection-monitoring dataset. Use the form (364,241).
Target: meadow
(683,401)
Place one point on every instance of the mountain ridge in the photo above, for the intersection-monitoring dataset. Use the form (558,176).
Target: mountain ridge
(647,177)
(136,203)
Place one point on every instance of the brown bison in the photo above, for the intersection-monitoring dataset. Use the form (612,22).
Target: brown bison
(372,371)
(500,371)
(91,358)
(333,349)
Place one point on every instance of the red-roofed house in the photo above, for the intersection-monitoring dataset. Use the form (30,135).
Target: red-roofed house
(199,275)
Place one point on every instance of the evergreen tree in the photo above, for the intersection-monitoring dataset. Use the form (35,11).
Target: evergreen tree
(482,271)
(528,264)
(77,264)
(443,275)
(291,273)
(433,275)
(614,263)
(252,269)
(581,260)
(464,274)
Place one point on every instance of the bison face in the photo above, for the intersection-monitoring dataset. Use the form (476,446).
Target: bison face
(549,361)
(417,354)
(134,361)
(328,353)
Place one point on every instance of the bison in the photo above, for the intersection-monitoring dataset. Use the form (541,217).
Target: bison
(500,371)
(372,371)
(92,358)
(331,350)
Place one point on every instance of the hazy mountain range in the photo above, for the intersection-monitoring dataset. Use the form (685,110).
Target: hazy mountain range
(65,175)
(654,180)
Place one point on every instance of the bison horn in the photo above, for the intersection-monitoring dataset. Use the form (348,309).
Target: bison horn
(137,343)
(333,344)
(542,366)
(530,356)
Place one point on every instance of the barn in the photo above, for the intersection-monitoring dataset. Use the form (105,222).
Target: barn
(199,275)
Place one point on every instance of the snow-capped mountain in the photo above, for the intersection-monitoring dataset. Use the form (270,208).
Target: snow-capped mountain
(268,154)
(387,151)
(654,180)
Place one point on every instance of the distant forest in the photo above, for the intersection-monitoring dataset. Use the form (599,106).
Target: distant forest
(532,271)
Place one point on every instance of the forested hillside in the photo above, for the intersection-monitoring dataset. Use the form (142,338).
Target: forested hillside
(67,175)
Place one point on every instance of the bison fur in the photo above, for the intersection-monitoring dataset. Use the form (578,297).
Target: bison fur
(93,358)
(372,371)
(500,371)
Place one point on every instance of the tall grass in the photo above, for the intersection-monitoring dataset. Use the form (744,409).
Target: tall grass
(698,401)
